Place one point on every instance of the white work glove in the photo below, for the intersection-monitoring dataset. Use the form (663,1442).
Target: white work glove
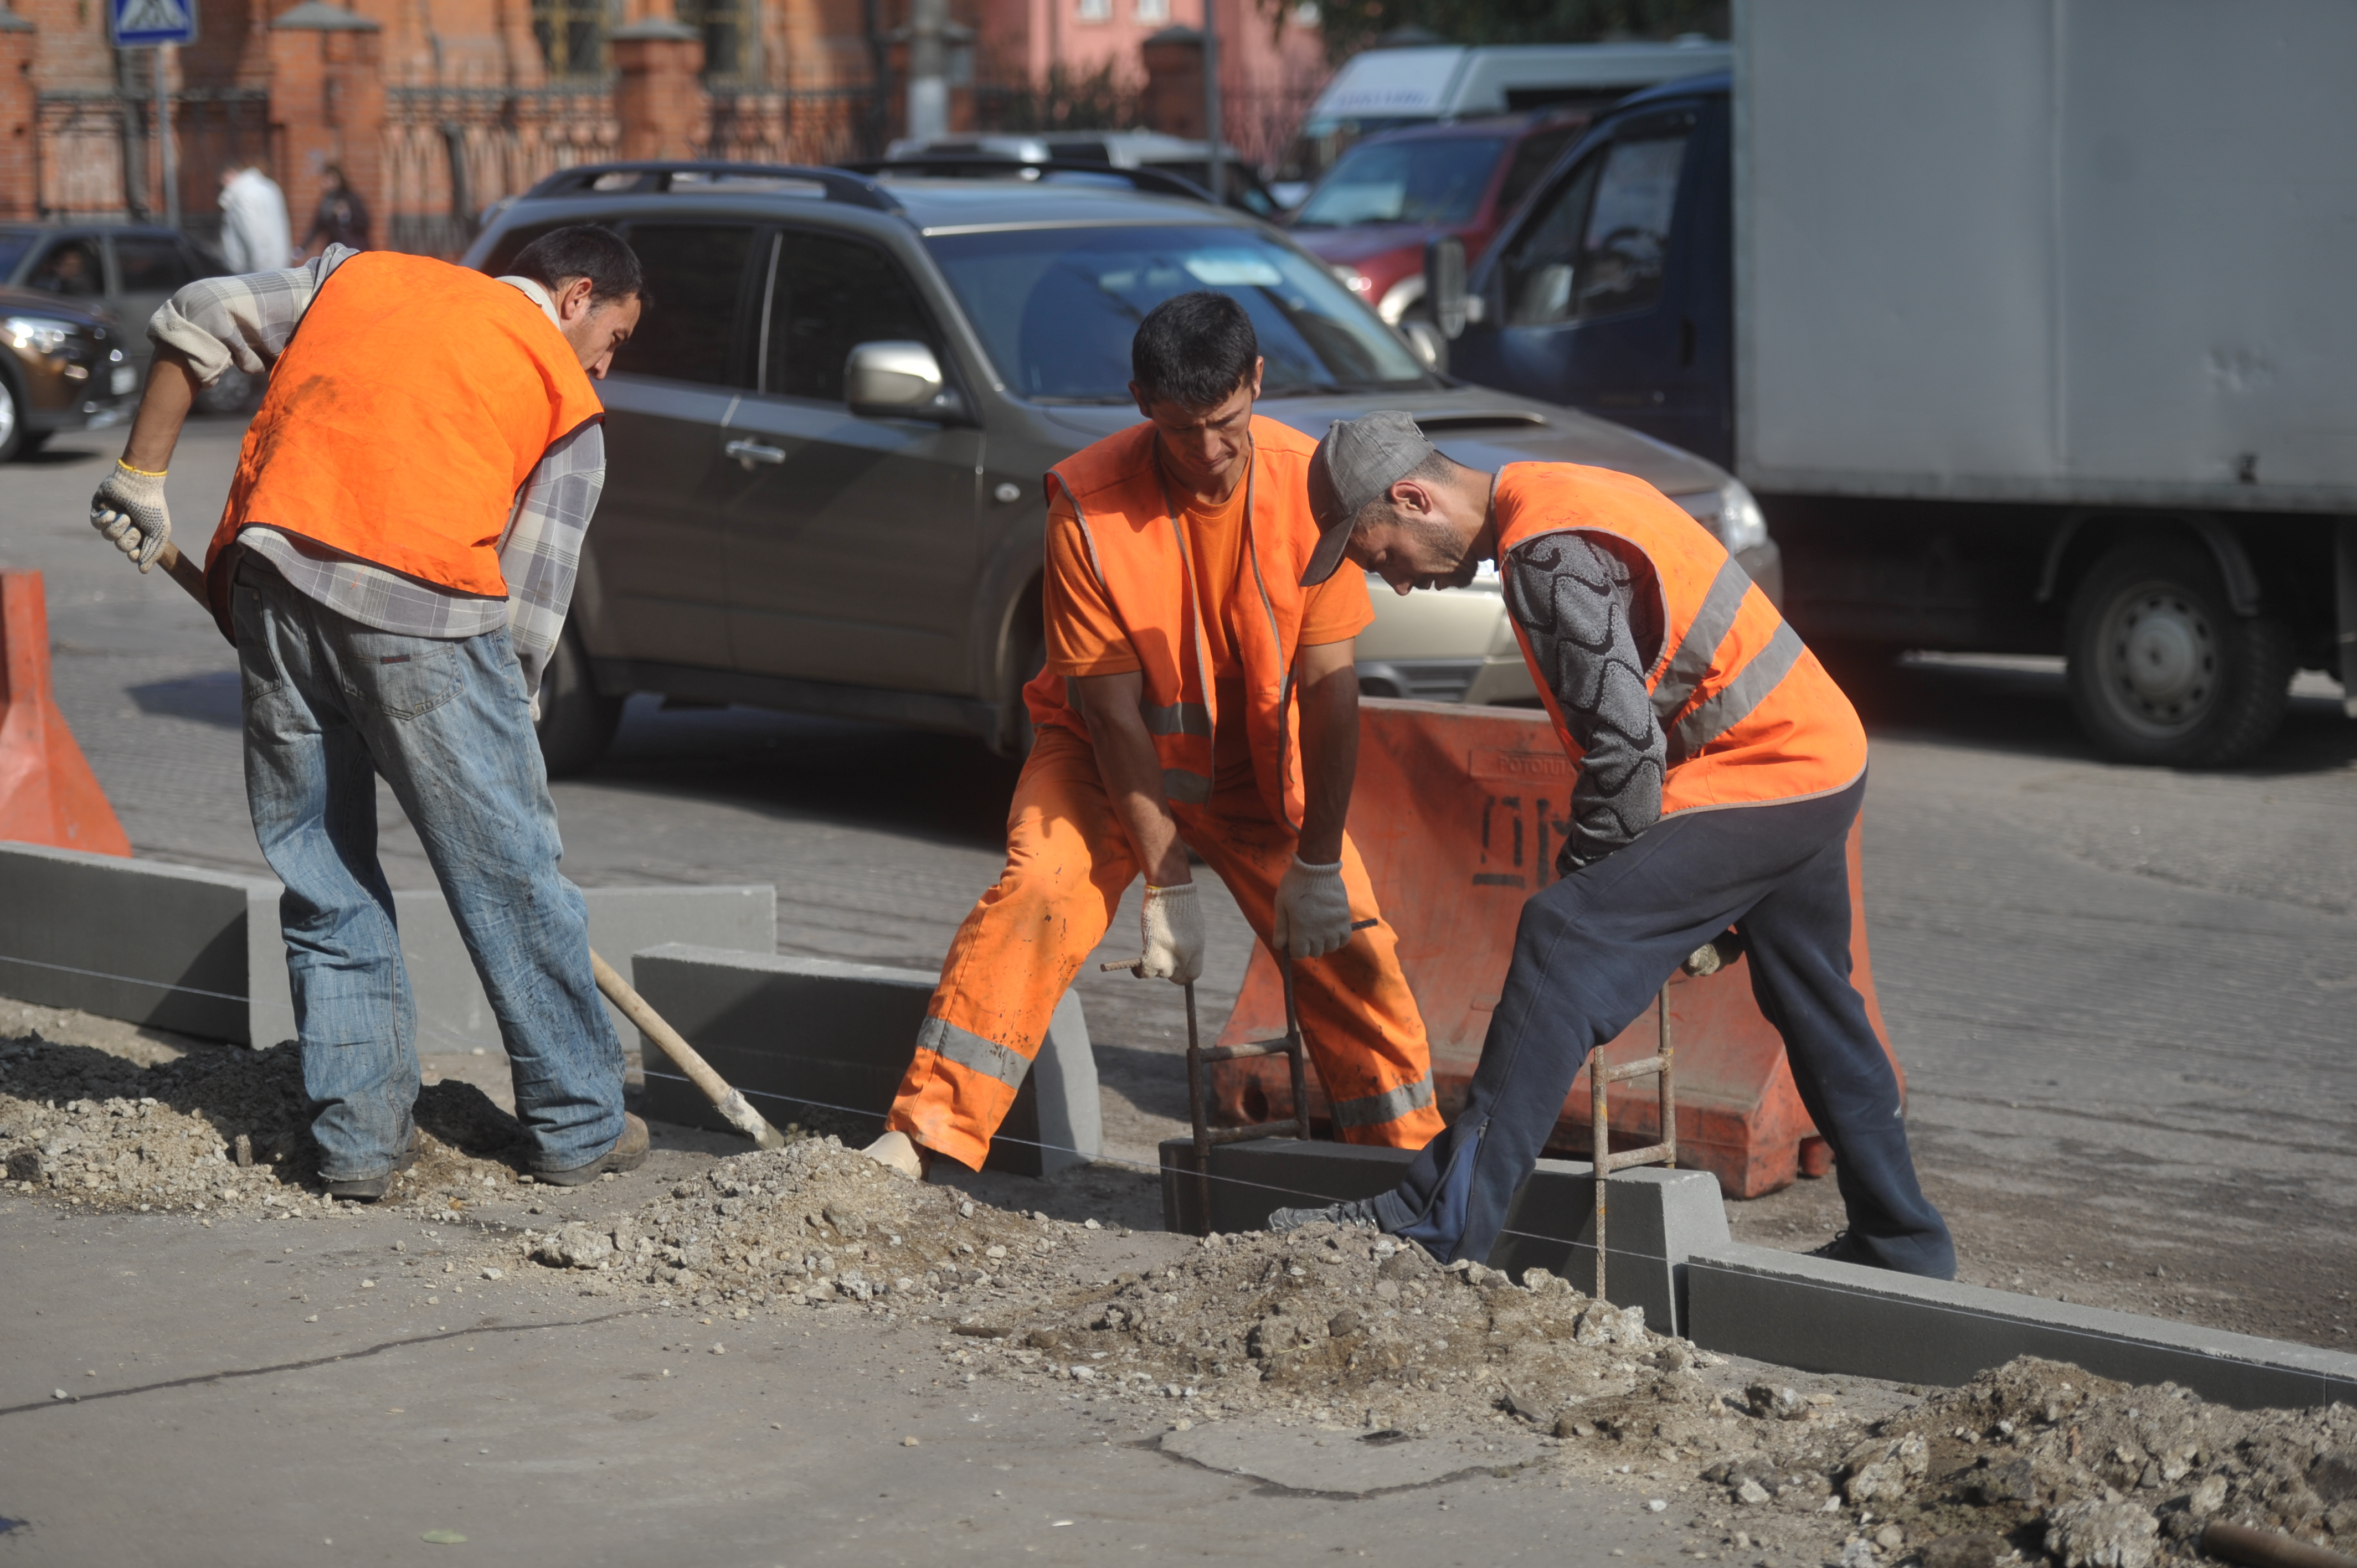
(1174,935)
(1313,910)
(128,509)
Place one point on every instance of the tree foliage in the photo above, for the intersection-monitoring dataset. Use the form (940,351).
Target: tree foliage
(1353,25)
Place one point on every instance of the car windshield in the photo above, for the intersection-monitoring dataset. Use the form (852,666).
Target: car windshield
(1056,308)
(12,246)
(1438,181)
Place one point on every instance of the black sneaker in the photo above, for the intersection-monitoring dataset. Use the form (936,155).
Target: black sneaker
(367,1189)
(1842,1250)
(1359,1214)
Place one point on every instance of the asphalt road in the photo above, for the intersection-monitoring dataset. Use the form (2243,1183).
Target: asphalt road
(2124,996)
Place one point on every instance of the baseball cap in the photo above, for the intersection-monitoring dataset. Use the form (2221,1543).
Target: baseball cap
(1356,462)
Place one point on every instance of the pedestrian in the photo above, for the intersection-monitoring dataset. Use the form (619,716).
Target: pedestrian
(255,233)
(341,217)
(1719,770)
(393,566)
(1182,662)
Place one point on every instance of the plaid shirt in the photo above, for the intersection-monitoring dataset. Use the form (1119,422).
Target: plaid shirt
(247,321)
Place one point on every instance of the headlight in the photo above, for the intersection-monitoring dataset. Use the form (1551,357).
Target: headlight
(1354,280)
(1731,513)
(41,334)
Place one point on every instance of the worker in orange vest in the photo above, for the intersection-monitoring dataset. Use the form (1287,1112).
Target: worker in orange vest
(1719,770)
(1183,660)
(394,565)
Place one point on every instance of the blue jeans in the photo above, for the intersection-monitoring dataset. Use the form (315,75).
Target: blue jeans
(1592,949)
(329,704)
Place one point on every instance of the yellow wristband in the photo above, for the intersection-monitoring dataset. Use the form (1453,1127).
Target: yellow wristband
(140,472)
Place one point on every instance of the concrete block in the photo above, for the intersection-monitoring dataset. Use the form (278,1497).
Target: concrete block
(1657,1216)
(1822,1317)
(159,945)
(803,1031)
(453,1014)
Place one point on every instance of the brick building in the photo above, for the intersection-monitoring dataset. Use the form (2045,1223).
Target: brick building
(437,110)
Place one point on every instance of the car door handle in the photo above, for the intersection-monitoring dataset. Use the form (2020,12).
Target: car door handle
(751,452)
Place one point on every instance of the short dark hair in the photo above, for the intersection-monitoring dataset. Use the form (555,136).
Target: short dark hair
(583,251)
(1193,350)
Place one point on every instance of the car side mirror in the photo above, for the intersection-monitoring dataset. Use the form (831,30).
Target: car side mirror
(896,379)
(1444,284)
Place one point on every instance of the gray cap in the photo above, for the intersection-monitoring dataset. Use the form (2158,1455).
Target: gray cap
(1355,463)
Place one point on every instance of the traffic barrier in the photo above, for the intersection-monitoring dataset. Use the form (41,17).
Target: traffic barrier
(800,1032)
(47,793)
(1458,812)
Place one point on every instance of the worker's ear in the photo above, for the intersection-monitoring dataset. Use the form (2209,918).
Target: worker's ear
(573,297)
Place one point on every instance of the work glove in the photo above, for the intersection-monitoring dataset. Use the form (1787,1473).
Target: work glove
(128,509)
(1174,935)
(1313,910)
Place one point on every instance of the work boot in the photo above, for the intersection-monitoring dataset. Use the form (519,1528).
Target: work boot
(1359,1214)
(1842,1250)
(898,1150)
(628,1153)
(367,1189)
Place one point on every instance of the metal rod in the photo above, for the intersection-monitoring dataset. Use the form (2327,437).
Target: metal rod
(1203,1120)
(1669,1133)
(165,159)
(1599,1138)
(1293,1050)
(1211,116)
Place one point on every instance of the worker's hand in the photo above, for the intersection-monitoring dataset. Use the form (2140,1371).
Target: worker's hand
(128,509)
(1174,935)
(1313,910)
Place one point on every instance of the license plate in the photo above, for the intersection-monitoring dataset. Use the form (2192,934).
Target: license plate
(124,379)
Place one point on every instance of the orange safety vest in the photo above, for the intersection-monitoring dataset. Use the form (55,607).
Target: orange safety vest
(1749,714)
(1138,551)
(412,402)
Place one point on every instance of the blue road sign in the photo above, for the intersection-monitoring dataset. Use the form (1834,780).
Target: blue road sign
(142,24)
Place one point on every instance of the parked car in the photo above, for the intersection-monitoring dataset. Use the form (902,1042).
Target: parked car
(65,367)
(1389,197)
(1189,160)
(1391,89)
(825,443)
(121,272)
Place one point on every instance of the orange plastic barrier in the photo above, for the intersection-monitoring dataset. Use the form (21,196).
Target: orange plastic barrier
(1459,812)
(47,793)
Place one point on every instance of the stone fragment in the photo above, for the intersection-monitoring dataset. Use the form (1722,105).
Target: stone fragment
(2093,1533)
(574,1246)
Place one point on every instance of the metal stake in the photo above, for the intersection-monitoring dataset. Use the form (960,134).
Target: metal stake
(1664,1152)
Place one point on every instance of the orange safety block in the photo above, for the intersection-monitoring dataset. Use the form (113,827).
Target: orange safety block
(1458,812)
(47,793)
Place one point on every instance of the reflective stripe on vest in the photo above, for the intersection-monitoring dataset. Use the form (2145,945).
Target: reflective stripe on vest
(973,1053)
(1748,714)
(1374,1109)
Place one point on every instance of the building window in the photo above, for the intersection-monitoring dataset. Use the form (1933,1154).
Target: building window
(572,36)
(1154,13)
(726,28)
(1094,10)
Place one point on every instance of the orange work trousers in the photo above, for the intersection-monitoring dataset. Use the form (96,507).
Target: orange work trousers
(1069,861)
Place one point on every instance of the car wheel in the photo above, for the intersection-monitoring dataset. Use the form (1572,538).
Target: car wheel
(576,725)
(2163,671)
(15,439)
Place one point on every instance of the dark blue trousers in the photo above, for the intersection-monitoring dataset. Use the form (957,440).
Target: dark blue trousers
(1591,952)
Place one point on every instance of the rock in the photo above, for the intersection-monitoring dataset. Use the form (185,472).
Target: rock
(1889,1538)
(1603,1324)
(2333,1477)
(1767,1401)
(1970,1551)
(2209,1497)
(1750,1491)
(1343,1322)
(1859,1554)
(1884,1471)
(2093,1533)
(574,1246)
(495,1273)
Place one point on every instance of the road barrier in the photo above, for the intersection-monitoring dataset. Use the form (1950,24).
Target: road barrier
(1458,812)
(47,793)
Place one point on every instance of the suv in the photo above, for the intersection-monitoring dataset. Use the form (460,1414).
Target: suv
(826,445)
(1389,197)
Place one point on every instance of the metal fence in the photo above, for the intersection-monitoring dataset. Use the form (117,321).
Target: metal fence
(95,151)
(791,125)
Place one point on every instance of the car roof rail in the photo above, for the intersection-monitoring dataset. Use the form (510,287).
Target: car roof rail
(656,177)
(982,166)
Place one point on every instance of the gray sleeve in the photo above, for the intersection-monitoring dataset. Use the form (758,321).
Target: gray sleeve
(245,321)
(541,553)
(1573,598)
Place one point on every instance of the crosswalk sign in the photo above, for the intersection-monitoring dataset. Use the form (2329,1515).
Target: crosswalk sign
(139,23)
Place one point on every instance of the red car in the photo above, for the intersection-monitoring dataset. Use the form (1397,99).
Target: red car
(1388,196)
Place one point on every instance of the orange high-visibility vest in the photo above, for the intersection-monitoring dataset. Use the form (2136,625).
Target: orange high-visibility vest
(1749,714)
(412,403)
(1138,551)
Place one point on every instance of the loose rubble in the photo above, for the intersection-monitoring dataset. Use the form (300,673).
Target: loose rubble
(1335,1329)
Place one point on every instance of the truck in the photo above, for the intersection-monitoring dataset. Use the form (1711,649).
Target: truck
(2025,322)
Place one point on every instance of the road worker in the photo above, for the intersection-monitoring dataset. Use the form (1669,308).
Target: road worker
(393,566)
(1195,696)
(1719,770)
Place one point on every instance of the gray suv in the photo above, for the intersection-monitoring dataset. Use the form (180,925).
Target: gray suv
(825,443)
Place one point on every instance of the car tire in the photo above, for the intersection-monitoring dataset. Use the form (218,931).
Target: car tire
(31,441)
(2163,671)
(16,441)
(576,724)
